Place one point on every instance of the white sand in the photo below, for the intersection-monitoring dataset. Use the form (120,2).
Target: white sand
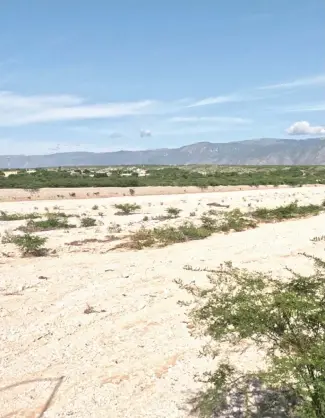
(136,359)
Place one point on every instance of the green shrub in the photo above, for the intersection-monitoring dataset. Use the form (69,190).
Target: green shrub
(236,221)
(284,319)
(126,208)
(87,222)
(173,212)
(208,222)
(141,239)
(30,245)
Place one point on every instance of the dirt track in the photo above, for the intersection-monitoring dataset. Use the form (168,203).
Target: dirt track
(7,195)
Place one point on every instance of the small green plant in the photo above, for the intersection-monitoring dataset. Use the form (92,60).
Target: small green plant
(132,192)
(72,194)
(208,222)
(126,208)
(173,212)
(95,207)
(87,222)
(145,218)
(192,213)
(30,245)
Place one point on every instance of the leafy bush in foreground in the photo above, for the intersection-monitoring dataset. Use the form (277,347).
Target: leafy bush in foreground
(285,319)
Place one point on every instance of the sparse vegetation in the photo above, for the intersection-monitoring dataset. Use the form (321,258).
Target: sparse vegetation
(126,208)
(284,319)
(167,235)
(114,228)
(286,212)
(7,237)
(173,212)
(87,222)
(95,207)
(4,216)
(234,220)
(141,239)
(52,222)
(30,245)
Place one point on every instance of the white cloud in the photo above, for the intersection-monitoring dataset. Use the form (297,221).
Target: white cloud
(305,128)
(18,110)
(10,100)
(217,100)
(301,82)
(203,119)
(314,107)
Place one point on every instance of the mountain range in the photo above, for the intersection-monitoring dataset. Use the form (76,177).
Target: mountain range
(264,151)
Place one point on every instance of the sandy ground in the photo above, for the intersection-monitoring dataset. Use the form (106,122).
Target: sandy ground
(7,195)
(133,357)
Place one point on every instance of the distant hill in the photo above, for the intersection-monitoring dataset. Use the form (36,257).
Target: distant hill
(250,152)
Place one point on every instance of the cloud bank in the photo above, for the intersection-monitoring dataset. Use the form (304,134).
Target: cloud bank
(305,128)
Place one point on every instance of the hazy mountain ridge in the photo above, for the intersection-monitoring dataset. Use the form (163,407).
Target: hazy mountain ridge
(249,152)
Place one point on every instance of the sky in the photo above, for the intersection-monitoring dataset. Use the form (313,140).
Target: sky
(106,75)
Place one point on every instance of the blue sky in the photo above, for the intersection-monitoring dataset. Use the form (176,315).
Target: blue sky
(105,75)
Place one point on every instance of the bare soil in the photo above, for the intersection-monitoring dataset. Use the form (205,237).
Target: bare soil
(89,333)
(7,195)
